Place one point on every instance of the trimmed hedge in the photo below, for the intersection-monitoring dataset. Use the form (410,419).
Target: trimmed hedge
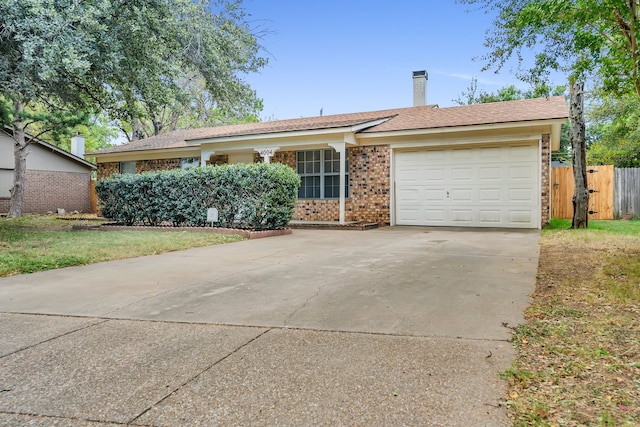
(255,196)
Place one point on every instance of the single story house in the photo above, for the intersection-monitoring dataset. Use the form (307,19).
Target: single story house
(484,165)
(54,177)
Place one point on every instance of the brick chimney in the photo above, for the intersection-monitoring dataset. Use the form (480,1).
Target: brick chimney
(420,88)
(77,146)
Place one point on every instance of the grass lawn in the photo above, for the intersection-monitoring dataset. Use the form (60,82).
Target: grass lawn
(37,243)
(578,355)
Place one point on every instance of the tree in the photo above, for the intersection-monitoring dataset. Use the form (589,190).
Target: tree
(614,131)
(579,37)
(111,56)
(196,46)
(473,95)
(581,193)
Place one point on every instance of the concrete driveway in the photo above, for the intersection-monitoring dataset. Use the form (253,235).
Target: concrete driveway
(395,326)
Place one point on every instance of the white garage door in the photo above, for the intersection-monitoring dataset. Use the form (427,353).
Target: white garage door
(495,186)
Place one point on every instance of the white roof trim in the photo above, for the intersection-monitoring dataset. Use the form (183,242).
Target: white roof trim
(288,134)
(460,128)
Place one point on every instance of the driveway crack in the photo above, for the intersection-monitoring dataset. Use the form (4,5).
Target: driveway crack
(304,305)
(199,374)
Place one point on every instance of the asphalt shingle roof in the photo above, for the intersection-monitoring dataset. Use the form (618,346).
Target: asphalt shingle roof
(399,119)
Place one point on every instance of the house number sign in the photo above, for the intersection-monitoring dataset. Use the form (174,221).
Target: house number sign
(266,152)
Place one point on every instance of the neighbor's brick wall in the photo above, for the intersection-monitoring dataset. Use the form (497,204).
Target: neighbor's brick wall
(369,188)
(46,191)
(5,203)
(545,183)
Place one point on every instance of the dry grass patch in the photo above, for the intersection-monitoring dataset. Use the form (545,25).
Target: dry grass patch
(579,352)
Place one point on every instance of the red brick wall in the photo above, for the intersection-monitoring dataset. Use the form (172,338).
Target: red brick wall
(105,170)
(218,160)
(4,204)
(46,191)
(369,188)
(157,165)
(545,182)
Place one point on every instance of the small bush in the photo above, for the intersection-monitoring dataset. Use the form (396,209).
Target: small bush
(256,196)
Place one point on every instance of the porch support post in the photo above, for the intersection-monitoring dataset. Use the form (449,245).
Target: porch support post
(267,152)
(204,156)
(340,147)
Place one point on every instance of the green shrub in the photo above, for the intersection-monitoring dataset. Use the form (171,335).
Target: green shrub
(256,196)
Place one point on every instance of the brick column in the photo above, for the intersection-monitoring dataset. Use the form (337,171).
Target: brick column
(545,180)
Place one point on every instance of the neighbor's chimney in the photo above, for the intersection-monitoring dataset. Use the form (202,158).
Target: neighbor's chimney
(420,88)
(77,146)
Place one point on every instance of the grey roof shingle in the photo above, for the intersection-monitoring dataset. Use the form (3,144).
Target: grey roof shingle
(399,119)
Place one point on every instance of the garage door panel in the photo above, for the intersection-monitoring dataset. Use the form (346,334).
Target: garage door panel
(461,215)
(461,195)
(520,217)
(522,172)
(495,186)
(462,174)
(521,195)
(492,153)
(435,215)
(491,217)
(489,195)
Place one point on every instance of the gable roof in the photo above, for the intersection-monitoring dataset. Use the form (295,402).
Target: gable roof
(392,120)
(57,150)
(524,110)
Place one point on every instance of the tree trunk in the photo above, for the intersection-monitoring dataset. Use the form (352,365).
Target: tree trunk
(578,146)
(20,159)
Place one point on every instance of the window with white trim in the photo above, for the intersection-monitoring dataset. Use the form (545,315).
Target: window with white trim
(319,171)
(189,162)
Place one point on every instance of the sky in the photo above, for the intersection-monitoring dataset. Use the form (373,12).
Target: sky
(352,55)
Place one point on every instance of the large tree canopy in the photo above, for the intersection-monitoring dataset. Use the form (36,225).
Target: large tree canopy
(123,58)
(614,131)
(573,36)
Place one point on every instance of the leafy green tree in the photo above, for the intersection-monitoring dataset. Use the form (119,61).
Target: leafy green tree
(614,129)
(120,57)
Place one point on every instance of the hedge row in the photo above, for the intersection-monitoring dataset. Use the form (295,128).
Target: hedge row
(255,196)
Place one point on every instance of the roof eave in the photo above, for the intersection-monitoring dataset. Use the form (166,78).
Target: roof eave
(58,150)
(289,134)
(461,128)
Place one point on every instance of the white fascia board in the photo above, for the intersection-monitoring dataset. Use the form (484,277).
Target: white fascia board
(275,136)
(165,153)
(448,142)
(290,134)
(367,125)
(453,129)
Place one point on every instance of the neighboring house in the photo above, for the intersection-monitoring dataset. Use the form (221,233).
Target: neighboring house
(482,165)
(54,178)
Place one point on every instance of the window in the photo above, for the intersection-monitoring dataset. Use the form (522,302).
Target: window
(319,171)
(189,162)
(127,167)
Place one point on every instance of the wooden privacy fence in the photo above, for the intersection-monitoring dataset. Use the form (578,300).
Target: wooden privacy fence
(93,197)
(627,192)
(600,180)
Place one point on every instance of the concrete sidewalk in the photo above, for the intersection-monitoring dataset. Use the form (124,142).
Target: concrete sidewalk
(396,326)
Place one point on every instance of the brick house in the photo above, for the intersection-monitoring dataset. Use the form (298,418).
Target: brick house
(482,165)
(54,178)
